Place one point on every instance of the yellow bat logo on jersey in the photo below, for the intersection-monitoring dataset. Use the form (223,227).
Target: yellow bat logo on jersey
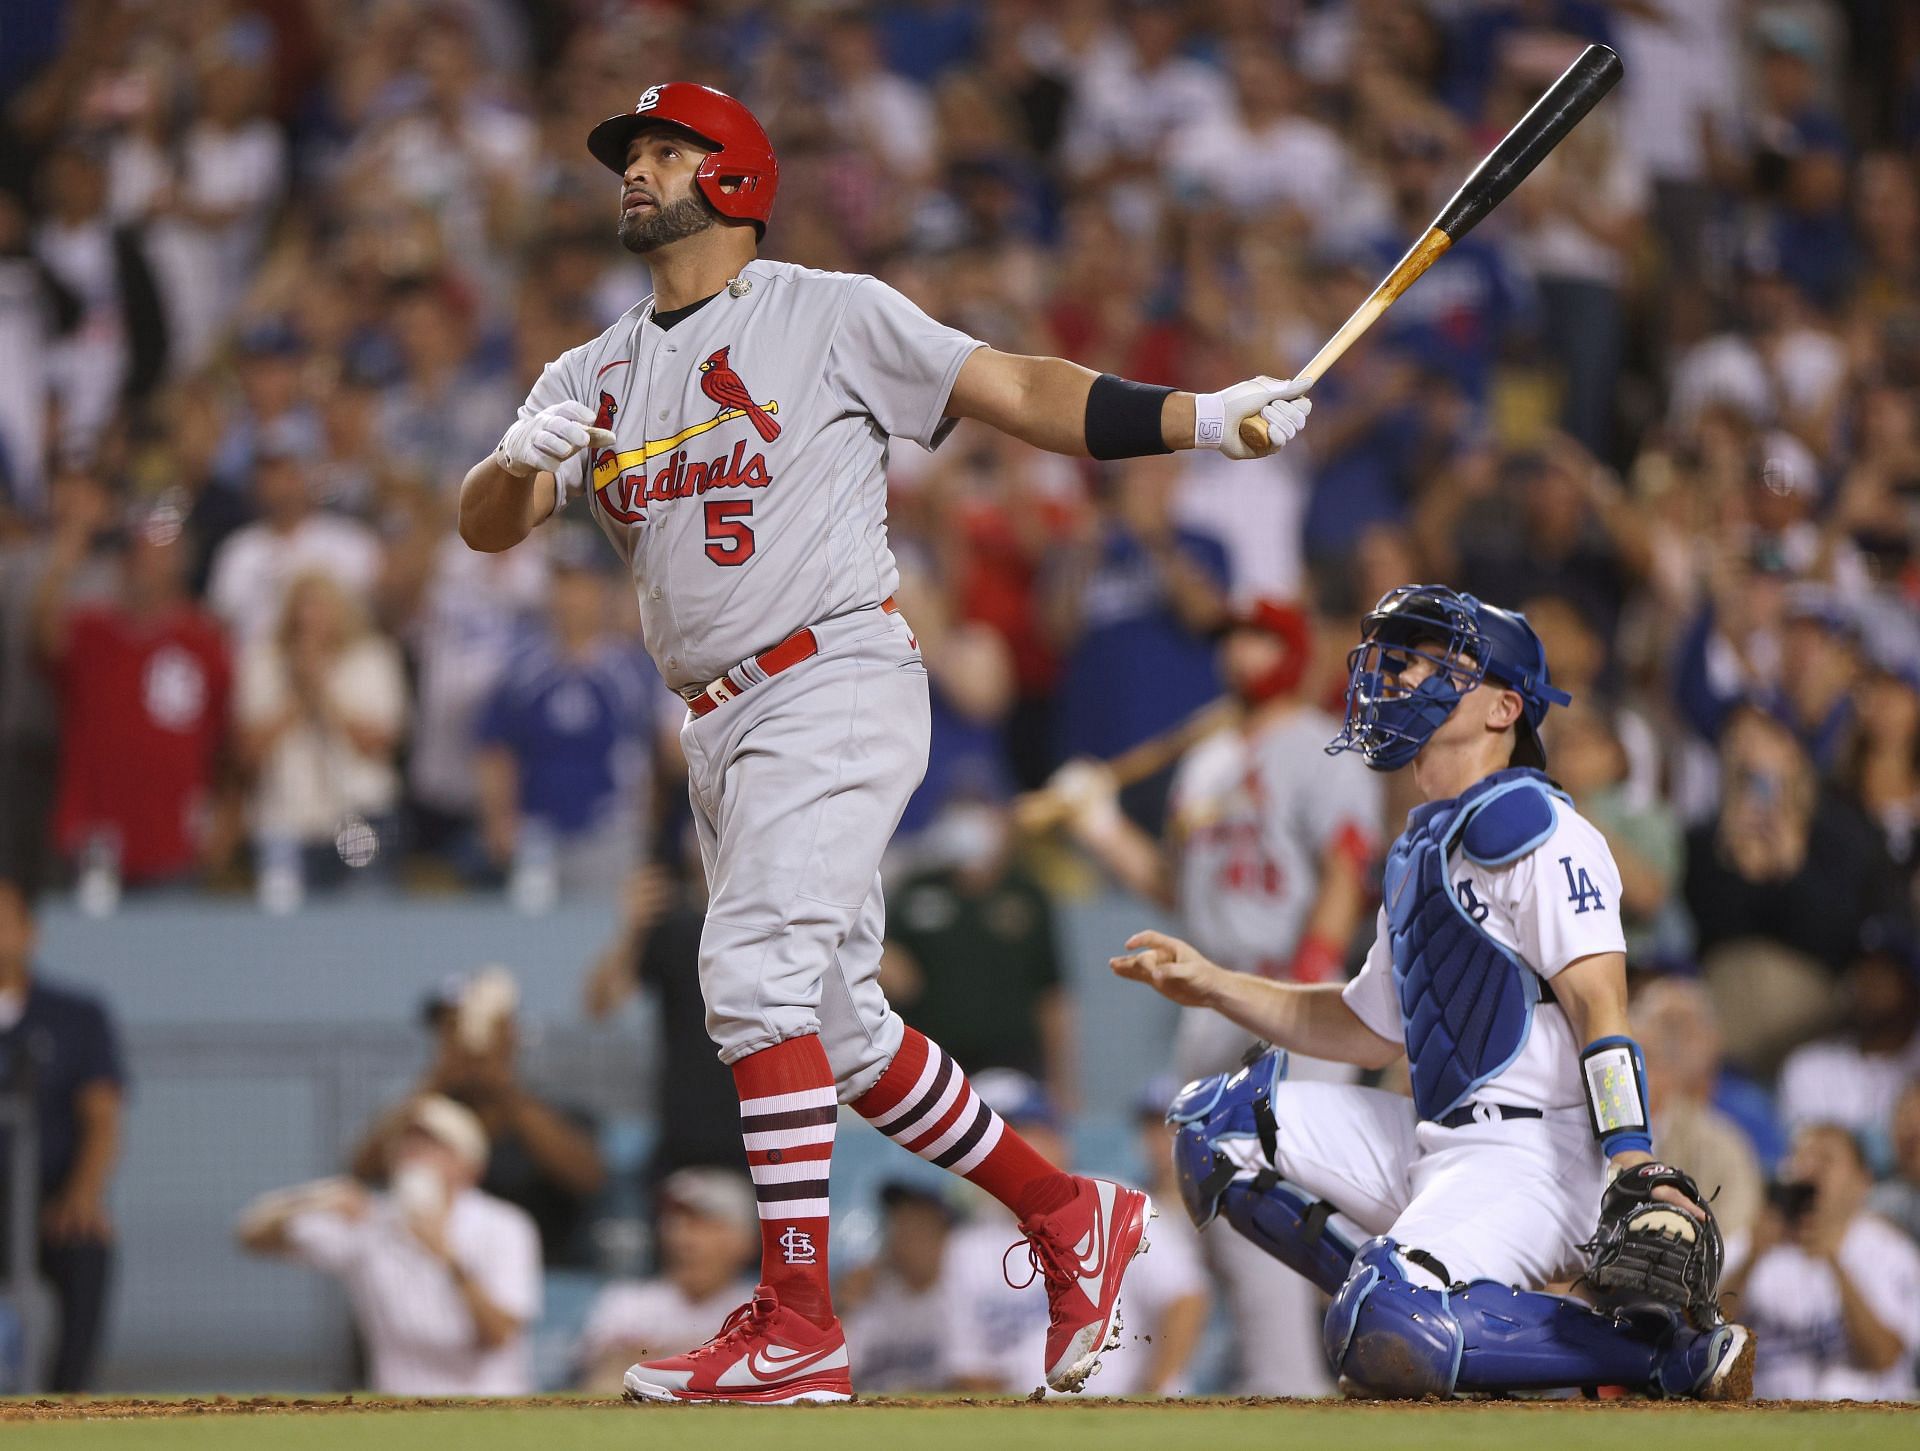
(608,466)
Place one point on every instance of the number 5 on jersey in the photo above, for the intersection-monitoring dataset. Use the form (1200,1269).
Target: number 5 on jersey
(729,541)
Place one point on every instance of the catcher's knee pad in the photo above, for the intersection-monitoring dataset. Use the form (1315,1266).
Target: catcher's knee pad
(1224,1128)
(1389,1336)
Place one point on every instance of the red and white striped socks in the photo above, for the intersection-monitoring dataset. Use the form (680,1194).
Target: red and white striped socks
(923,1102)
(788,1110)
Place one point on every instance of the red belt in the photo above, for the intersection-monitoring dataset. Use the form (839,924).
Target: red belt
(800,645)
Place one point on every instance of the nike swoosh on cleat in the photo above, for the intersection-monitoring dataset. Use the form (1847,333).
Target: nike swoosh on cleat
(1093,1266)
(766,1365)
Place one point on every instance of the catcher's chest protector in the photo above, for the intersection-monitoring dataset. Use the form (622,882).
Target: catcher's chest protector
(1466,1001)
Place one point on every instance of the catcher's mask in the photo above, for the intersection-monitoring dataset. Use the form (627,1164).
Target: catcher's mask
(1467,642)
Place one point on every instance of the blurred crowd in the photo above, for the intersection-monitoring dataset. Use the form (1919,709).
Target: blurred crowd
(274,273)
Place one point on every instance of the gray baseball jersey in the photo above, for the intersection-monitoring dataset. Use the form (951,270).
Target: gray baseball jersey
(746,487)
(1254,818)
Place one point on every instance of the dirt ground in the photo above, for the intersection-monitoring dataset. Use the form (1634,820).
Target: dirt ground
(126,1408)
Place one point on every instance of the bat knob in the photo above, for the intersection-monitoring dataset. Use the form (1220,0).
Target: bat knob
(1254,434)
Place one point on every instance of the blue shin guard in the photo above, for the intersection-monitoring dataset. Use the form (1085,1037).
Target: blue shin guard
(1292,1226)
(1223,1158)
(1387,1335)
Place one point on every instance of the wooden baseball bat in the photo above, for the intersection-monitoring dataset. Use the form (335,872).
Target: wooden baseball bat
(1556,113)
(1041,811)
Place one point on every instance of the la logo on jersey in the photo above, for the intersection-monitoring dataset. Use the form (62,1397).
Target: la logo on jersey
(796,1246)
(622,479)
(1580,888)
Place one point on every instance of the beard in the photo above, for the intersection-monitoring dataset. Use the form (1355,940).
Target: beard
(645,232)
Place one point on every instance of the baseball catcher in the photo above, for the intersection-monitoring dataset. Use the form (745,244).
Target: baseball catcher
(1499,972)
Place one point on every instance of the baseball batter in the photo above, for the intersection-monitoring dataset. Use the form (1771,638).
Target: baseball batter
(1267,850)
(730,434)
(1499,972)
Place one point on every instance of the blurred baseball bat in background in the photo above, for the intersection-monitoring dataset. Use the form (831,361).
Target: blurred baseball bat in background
(1556,113)
(1040,811)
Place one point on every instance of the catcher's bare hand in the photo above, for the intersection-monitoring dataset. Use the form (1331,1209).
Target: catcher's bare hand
(1172,968)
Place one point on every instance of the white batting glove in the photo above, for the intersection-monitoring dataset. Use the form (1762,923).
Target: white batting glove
(547,439)
(1282,402)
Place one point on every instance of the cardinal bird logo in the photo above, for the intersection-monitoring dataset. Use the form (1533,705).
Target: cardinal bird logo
(720,383)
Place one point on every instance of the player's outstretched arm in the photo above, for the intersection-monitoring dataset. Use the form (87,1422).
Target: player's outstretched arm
(1065,408)
(1302,1018)
(503,498)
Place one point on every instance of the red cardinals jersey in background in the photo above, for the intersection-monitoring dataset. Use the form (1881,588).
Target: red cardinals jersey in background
(143,708)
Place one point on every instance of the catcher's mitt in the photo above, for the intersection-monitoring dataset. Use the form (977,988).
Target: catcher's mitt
(1648,1250)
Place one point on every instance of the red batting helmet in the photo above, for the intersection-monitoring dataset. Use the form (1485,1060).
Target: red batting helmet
(741,175)
(1287,624)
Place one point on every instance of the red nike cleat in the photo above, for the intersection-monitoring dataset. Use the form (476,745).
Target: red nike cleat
(1082,1251)
(764,1355)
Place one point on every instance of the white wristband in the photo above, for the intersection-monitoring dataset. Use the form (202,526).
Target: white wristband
(1209,420)
(505,461)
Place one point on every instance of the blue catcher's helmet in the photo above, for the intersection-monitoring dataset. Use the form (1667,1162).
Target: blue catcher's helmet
(1468,642)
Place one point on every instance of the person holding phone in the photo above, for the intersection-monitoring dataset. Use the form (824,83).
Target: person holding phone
(1831,1292)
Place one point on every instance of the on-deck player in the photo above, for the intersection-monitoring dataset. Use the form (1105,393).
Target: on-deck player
(1266,858)
(729,433)
(1499,970)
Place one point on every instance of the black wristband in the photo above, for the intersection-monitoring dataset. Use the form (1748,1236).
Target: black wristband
(1123,418)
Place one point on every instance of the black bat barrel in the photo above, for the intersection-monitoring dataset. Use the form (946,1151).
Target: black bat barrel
(1539,131)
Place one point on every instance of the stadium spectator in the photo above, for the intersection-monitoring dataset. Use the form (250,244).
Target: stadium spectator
(69,560)
(143,688)
(1556,521)
(466,615)
(30,308)
(1132,605)
(1590,761)
(542,1155)
(255,568)
(212,215)
(708,1236)
(60,1047)
(444,1279)
(1854,1078)
(1583,211)
(1460,324)
(1897,1198)
(972,954)
(1777,886)
(1882,772)
(657,951)
(115,344)
(448,396)
(566,739)
(894,1309)
(320,704)
(1831,1292)
(970,687)
(1673,1020)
